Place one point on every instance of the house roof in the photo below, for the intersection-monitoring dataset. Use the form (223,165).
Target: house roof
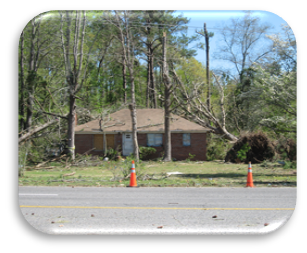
(148,120)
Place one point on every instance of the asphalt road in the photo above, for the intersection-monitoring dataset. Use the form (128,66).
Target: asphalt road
(101,210)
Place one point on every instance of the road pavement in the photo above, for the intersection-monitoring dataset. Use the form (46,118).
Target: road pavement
(121,210)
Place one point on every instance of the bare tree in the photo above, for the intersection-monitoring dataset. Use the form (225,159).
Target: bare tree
(128,56)
(240,39)
(75,68)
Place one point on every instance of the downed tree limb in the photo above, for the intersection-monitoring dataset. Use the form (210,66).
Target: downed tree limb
(86,153)
(43,168)
(69,174)
(37,129)
(76,162)
(50,160)
(67,166)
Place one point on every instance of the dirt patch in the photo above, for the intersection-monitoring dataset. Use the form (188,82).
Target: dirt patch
(258,148)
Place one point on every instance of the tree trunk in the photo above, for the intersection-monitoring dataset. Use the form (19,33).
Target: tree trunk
(152,81)
(167,134)
(71,126)
(30,99)
(124,79)
(31,78)
(167,102)
(134,130)
(148,81)
(22,85)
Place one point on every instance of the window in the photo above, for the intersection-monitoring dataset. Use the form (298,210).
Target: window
(186,139)
(98,141)
(154,140)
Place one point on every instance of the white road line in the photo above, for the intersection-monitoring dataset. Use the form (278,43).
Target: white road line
(30,194)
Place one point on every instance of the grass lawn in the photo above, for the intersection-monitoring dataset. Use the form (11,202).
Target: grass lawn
(156,174)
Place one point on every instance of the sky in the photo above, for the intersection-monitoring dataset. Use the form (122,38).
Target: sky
(213,20)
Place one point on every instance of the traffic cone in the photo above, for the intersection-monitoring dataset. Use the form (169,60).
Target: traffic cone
(250,176)
(133,176)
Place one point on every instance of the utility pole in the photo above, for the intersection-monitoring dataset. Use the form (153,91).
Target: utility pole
(207,67)
(207,36)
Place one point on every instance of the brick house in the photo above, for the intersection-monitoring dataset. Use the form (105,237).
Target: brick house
(186,136)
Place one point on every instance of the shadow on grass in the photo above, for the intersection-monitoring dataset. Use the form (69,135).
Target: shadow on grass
(274,175)
(213,175)
(229,175)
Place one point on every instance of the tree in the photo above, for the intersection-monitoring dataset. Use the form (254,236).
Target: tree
(126,41)
(21,85)
(240,41)
(274,101)
(167,103)
(244,44)
(36,38)
(153,24)
(75,68)
(273,87)
(284,48)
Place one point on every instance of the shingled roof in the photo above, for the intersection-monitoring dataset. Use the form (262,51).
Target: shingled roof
(148,120)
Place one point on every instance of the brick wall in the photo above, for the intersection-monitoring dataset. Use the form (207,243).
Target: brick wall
(198,147)
(83,143)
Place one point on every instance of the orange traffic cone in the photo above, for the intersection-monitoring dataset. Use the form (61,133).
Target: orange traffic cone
(133,176)
(250,176)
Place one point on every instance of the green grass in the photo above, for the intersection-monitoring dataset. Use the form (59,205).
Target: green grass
(195,174)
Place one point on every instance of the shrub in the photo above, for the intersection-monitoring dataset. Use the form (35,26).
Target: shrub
(217,148)
(122,170)
(286,149)
(111,153)
(145,152)
(191,157)
(289,165)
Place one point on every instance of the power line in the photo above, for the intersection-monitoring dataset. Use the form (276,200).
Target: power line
(187,26)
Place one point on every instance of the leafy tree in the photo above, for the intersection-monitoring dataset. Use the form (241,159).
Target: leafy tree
(274,101)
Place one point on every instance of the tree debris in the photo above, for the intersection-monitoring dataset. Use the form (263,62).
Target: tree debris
(69,174)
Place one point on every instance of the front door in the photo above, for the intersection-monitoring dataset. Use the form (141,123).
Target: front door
(127,144)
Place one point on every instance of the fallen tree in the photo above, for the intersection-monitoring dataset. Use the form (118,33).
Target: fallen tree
(35,130)
(252,147)
(196,110)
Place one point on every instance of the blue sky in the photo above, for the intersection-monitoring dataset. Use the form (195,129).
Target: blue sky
(213,19)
